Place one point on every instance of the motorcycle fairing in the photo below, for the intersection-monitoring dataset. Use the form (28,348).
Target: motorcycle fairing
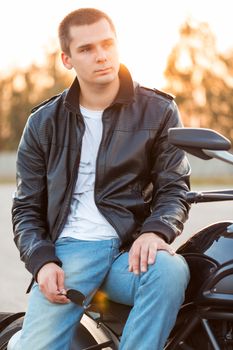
(209,254)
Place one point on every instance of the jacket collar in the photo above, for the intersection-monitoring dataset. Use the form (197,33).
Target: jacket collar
(125,93)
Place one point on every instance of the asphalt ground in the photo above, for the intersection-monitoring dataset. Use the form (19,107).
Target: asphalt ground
(14,276)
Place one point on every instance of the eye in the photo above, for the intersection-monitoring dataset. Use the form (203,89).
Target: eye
(85,49)
(108,44)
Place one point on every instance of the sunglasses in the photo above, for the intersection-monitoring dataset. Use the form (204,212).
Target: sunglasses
(96,300)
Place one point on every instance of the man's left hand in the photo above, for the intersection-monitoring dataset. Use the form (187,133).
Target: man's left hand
(143,251)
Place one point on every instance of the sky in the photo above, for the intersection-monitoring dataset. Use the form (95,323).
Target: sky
(147,30)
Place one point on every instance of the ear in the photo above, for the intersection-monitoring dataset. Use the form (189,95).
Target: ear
(66,60)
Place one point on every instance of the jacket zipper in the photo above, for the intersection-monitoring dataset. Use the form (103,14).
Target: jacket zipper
(59,227)
(96,175)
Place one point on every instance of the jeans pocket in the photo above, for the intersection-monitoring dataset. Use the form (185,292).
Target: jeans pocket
(118,255)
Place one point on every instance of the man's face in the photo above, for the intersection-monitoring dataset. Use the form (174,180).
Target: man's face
(93,53)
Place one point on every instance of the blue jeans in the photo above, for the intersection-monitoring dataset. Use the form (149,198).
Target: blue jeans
(156,295)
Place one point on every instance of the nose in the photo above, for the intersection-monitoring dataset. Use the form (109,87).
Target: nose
(101,55)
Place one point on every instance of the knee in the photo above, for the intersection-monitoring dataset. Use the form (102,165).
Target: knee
(171,272)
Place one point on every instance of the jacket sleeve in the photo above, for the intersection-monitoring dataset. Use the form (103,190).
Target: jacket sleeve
(170,178)
(29,210)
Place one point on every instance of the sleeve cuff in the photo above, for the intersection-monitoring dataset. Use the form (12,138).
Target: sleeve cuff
(41,256)
(161,228)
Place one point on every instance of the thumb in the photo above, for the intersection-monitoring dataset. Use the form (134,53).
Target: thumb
(171,251)
(60,280)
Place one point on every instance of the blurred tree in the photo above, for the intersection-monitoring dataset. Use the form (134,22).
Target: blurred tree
(201,79)
(22,90)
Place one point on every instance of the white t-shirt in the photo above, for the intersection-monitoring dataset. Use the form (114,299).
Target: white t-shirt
(85,220)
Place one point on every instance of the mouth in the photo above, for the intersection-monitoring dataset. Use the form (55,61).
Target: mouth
(104,70)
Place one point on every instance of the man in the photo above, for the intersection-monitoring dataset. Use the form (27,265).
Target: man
(95,175)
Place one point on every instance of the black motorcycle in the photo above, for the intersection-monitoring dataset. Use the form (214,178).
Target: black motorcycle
(205,320)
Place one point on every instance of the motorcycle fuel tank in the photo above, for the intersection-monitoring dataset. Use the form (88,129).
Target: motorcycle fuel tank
(209,254)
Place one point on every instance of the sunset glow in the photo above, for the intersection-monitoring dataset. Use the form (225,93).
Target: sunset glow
(147,30)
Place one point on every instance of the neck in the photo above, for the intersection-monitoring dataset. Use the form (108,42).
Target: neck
(98,97)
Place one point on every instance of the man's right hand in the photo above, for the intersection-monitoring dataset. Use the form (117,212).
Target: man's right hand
(50,279)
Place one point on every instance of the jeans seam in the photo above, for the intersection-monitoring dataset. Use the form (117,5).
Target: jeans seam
(133,321)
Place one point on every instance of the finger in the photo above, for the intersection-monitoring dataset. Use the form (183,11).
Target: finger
(60,282)
(57,299)
(48,287)
(136,264)
(60,299)
(168,248)
(144,258)
(50,291)
(129,261)
(61,291)
(52,286)
(171,251)
(130,268)
(152,255)
(135,259)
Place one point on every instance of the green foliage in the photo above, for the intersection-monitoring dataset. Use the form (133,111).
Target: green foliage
(202,79)
(24,89)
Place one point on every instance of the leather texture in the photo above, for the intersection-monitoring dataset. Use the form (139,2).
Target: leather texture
(140,178)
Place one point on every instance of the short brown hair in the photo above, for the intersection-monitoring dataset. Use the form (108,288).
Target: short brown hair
(78,18)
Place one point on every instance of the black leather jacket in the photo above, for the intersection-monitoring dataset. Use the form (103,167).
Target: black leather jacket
(140,178)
